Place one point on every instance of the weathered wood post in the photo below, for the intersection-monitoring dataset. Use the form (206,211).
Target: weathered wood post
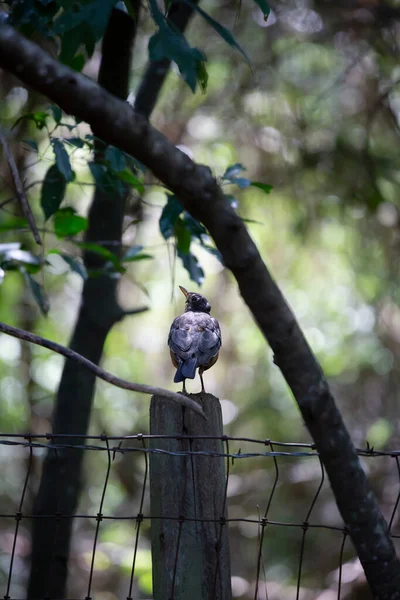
(189,537)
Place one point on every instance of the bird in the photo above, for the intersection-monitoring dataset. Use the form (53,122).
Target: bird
(194,339)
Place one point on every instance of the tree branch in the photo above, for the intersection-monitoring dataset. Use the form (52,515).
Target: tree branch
(98,371)
(116,123)
(19,188)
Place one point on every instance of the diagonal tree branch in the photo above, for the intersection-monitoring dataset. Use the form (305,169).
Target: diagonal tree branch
(142,388)
(115,122)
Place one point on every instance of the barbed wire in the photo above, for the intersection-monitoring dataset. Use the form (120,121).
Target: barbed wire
(120,445)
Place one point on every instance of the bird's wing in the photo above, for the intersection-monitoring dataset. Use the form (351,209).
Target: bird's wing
(180,339)
(209,341)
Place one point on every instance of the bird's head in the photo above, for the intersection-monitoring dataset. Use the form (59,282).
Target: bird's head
(195,302)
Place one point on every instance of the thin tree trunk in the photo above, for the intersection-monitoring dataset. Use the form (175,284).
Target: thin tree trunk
(61,479)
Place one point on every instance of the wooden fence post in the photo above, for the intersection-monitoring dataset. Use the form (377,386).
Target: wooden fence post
(189,538)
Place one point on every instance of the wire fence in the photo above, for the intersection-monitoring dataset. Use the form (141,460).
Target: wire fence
(261,449)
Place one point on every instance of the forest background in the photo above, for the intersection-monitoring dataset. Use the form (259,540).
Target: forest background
(317,119)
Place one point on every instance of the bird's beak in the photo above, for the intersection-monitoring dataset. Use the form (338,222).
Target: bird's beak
(184,291)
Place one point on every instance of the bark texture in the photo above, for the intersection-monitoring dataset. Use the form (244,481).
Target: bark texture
(60,484)
(190,557)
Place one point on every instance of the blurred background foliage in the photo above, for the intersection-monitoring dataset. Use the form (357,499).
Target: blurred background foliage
(317,118)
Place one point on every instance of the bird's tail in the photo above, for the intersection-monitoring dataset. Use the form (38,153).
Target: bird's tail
(186,370)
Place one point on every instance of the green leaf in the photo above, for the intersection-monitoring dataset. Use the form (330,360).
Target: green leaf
(106,180)
(37,291)
(100,250)
(138,257)
(115,158)
(66,222)
(32,17)
(195,227)
(68,126)
(98,172)
(14,223)
(18,256)
(57,113)
(135,165)
(75,141)
(39,118)
(32,144)
(12,257)
(231,174)
(132,252)
(172,45)
(71,40)
(53,191)
(76,265)
(94,14)
(202,76)
(241,182)
(262,186)
(220,29)
(183,237)
(169,216)
(62,160)
(192,266)
(252,221)
(157,15)
(233,171)
(212,250)
(77,62)
(264,6)
(127,176)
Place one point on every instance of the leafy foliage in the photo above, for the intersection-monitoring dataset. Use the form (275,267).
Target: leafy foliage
(220,29)
(231,177)
(68,223)
(135,253)
(62,160)
(264,6)
(14,258)
(39,118)
(37,291)
(53,191)
(185,229)
(78,27)
(169,216)
(74,263)
(169,43)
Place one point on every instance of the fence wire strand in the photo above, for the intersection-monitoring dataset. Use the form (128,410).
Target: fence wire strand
(146,446)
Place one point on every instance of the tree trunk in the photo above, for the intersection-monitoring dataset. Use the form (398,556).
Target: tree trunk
(61,479)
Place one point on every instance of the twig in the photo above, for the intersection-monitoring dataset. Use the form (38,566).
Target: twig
(101,373)
(19,188)
(135,311)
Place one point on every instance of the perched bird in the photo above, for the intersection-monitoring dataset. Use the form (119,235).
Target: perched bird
(194,339)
